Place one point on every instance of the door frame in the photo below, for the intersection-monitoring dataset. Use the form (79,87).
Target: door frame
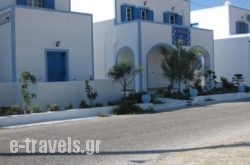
(66,51)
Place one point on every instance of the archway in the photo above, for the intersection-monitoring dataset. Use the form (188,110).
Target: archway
(127,54)
(155,76)
(204,58)
(204,55)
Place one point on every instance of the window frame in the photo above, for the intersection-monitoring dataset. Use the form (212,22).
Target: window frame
(172,19)
(129,13)
(35,3)
(143,14)
(242,27)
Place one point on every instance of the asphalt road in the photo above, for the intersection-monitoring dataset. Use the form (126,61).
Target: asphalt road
(132,139)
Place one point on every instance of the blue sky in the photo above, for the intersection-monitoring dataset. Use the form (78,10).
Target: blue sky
(198,4)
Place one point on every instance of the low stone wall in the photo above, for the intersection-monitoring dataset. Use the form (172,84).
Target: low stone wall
(60,93)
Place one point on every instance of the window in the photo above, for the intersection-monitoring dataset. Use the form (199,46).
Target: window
(172,18)
(35,3)
(241,27)
(144,14)
(129,14)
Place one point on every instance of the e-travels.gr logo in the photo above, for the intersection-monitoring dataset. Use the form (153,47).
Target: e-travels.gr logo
(54,146)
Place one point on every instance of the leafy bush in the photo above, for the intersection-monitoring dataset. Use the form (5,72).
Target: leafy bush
(136,96)
(14,110)
(35,109)
(98,105)
(177,95)
(52,107)
(83,104)
(227,85)
(127,106)
(68,106)
(115,102)
(247,88)
(90,92)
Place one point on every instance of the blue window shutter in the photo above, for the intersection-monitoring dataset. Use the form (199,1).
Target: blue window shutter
(150,15)
(136,13)
(123,13)
(179,20)
(166,17)
(50,4)
(238,27)
(21,2)
(246,29)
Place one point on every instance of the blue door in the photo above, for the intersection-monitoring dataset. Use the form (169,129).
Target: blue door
(56,66)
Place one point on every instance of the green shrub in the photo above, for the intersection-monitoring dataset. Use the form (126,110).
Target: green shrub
(83,104)
(136,96)
(52,107)
(228,86)
(115,102)
(68,106)
(98,105)
(127,106)
(14,110)
(247,88)
(35,109)
(177,95)
(3,110)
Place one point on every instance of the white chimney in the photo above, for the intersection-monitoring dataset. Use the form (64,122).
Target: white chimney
(227,2)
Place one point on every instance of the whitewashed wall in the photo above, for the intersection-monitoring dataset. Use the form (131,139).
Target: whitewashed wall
(9,94)
(61,93)
(38,30)
(5,3)
(5,50)
(63,5)
(108,40)
(232,57)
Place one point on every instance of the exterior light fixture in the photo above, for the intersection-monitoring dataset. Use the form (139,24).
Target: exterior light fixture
(145,3)
(57,43)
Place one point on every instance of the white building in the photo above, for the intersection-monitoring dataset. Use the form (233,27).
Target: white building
(45,38)
(231,32)
(138,30)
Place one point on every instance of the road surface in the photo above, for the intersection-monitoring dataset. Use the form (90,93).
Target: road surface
(132,139)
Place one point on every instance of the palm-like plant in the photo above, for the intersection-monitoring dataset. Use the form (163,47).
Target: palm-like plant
(180,65)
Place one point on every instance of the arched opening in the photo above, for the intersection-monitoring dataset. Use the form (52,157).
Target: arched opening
(155,75)
(204,55)
(127,54)
(204,58)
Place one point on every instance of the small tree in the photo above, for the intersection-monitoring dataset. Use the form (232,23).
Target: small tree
(237,79)
(210,80)
(26,80)
(180,65)
(123,73)
(90,92)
